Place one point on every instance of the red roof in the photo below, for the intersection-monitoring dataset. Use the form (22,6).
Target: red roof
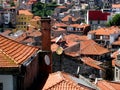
(91,62)
(89,47)
(63,81)
(107,85)
(13,53)
(98,15)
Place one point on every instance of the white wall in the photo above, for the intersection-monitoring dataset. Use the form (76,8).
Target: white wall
(90,36)
(118,74)
(113,37)
(7,81)
(7,18)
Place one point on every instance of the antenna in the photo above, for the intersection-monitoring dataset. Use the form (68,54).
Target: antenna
(58,38)
(78,69)
(96,80)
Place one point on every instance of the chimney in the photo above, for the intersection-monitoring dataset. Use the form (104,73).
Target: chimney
(46,44)
(46,29)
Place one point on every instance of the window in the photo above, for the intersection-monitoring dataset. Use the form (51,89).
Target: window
(116,74)
(1,86)
(90,22)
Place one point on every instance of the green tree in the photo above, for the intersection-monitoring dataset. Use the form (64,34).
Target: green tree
(12,4)
(115,21)
(43,9)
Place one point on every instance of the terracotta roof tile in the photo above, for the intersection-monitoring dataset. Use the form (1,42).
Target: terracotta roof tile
(92,63)
(66,18)
(29,40)
(21,37)
(63,81)
(59,25)
(90,47)
(115,5)
(54,47)
(116,42)
(25,12)
(106,31)
(107,85)
(79,25)
(12,51)
(6,32)
(34,33)
(74,37)
(60,29)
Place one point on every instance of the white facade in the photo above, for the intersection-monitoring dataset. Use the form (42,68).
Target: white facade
(116,10)
(43,1)
(60,2)
(117,74)
(90,36)
(113,37)
(6,18)
(7,81)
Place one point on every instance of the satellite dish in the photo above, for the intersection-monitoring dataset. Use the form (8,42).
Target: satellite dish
(59,50)
(47,60)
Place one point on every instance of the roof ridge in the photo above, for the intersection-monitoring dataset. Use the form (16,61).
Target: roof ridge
(8,56)
(16,41)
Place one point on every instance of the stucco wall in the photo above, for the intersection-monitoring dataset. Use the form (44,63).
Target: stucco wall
(7,81)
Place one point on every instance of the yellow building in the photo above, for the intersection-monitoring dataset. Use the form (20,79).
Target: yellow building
(23,19)
(35,22)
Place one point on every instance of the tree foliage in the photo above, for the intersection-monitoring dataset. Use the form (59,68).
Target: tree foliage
(43,9)
(115,21)
(12,4)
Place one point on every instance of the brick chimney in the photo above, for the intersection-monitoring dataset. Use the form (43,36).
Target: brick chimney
(46,44)
(46,29)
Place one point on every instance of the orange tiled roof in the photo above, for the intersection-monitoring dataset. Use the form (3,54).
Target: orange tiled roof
(62,81)
(61,29)
(66,18)
(59,25)
(106,31)
(79,25)
(21,38)
(54,47)
(25,12)
(34,33)
(115,5)
(74,37)
(6,32)
(37,17)
(90,62)
(68,43)
(90,47)
(13,53)
(29,40)
(116,42)
(107,85)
